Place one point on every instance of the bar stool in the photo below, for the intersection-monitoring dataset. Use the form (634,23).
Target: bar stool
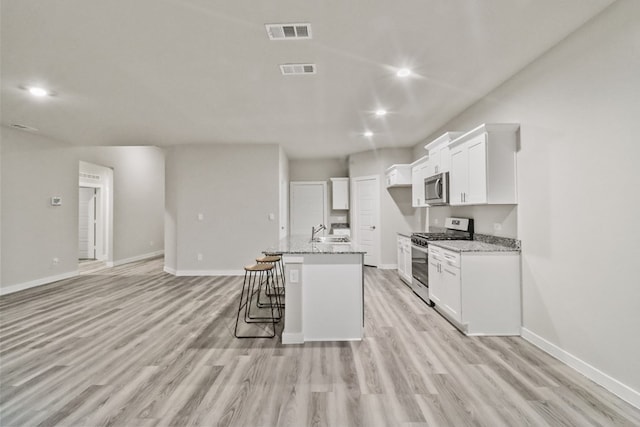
(279,264)
(262,274)
(276,260)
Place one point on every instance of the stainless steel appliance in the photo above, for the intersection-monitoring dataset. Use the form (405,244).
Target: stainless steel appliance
(436,189)
(455,229)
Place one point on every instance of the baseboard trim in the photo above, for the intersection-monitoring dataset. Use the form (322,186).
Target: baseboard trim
(38,282)
(292,338)
(204,272)
(388,266)
(616,387)
(135,258)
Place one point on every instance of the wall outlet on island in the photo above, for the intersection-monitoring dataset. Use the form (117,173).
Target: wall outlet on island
(497,226)
(199,257)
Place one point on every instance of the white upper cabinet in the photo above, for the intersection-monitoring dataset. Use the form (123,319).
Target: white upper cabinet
(340,193)
(398,176)
(439,155)
(483,166)
(418,174)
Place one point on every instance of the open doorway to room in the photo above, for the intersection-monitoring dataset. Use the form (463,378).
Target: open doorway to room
(95,217)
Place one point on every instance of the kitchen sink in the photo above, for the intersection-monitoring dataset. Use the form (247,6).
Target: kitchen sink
(334,240)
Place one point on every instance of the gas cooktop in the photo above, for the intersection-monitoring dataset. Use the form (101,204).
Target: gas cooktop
(456,229)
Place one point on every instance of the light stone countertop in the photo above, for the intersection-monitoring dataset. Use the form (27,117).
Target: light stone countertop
(301,244)
(405,233)
(471,246)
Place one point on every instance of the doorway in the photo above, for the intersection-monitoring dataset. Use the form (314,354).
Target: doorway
(365,216)
(95,215)
(87,223)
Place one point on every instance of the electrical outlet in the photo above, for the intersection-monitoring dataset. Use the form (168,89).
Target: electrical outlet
(150,242)
(55,261)
(294,276)
(199,257)
(497,226)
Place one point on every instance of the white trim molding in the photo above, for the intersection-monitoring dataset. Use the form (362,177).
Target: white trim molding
(135,258)
(38,282)
(388,267)
(180,273)
(616,387)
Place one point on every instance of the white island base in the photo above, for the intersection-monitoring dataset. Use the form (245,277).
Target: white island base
(324,297)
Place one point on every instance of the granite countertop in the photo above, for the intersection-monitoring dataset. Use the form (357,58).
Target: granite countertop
(472,246)
(301,245)
(405,233)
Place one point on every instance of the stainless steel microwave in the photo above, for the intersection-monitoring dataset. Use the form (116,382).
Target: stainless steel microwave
(436,189)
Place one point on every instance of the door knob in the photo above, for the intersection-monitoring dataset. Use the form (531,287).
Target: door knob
(373,227)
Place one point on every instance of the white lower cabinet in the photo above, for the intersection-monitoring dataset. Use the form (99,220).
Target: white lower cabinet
(479,292)
(404,258)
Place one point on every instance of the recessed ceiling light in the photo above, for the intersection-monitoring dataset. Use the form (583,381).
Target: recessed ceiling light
(381,112)
(368,134)
(403,72)
(37,91)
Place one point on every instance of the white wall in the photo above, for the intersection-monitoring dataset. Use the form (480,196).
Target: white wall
(396,213)
(34,168)
(579,109)
(33,232)
(235,188)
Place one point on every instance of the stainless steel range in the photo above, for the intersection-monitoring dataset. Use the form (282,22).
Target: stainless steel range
(455,229)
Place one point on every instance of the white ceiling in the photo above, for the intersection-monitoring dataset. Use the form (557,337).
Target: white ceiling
(166,72)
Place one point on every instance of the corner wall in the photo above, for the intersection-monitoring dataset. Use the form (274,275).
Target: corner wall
(35,168)
(578,106)
(236,189)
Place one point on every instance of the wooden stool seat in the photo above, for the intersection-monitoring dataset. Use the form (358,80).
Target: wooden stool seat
(258,267)
(269,258)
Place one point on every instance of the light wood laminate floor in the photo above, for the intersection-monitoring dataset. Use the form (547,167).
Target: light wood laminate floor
(134,346)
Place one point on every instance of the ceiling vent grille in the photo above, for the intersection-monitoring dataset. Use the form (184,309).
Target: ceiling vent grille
(288,31)
(296,69)
(23,127)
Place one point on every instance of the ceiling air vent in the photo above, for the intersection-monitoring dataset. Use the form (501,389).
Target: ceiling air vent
(288,31)
(23,127)
(293,69)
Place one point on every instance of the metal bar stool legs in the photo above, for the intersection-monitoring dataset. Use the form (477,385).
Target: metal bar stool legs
(260,273)
(278,274)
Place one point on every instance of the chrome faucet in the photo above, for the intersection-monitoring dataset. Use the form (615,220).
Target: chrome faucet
(316,230)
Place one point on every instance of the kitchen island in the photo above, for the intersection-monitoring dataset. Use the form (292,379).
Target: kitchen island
(324,297)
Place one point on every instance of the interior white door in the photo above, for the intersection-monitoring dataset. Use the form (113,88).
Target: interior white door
(87,223)
(366,214)
(308,205)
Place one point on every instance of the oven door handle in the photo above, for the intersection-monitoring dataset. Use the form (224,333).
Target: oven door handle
(420,248)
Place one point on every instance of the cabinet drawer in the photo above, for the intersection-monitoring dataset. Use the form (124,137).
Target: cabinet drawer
(450,258)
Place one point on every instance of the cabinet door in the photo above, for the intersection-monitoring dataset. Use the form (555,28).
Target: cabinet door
(459,175)
(436,287)
(417,186)
(340,190)
(445,160)
(477,179)
(401,256)
(450,278)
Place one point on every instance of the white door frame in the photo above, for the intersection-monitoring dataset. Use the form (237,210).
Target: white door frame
(104,212)
(354,214)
